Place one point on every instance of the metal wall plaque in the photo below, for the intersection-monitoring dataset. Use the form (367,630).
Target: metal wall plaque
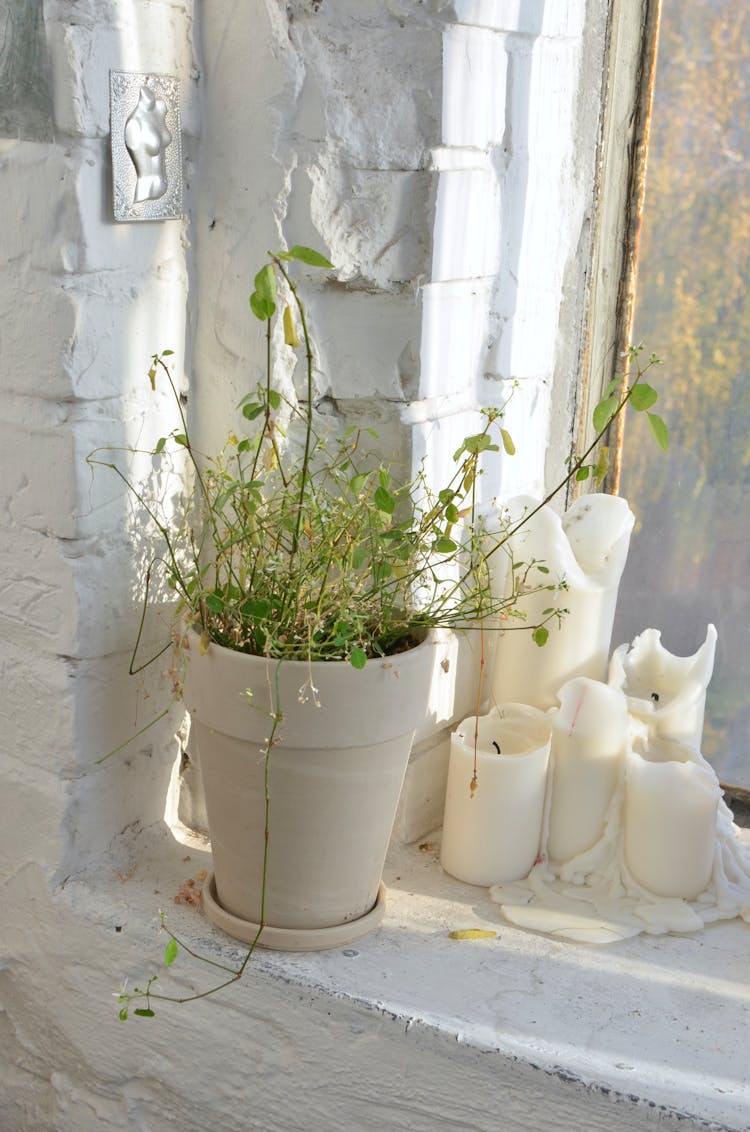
(146,146)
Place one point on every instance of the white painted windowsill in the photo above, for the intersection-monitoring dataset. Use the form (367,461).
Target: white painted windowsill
(653,1027)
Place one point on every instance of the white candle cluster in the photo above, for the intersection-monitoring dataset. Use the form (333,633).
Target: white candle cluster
(585,803)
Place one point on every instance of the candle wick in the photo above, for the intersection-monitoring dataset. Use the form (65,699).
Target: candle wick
(655,697)
(496,745)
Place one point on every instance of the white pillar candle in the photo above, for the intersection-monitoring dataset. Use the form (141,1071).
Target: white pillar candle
(492,828)
(670,820)
(589,740)
(666,692)
(582,556)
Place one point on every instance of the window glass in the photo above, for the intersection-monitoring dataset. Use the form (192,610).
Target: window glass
(690,556)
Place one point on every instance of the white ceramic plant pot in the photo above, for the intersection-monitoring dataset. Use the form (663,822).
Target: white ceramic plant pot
(334,777)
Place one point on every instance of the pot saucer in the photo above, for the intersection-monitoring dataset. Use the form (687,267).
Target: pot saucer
(291,939)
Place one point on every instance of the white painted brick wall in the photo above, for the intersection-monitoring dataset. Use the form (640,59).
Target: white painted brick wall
(92,38)
(457,214)
(83,301)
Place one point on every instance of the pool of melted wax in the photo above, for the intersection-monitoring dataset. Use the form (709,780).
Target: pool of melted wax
(594,898)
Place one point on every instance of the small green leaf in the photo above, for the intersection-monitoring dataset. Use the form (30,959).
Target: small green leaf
(252,410)
(614,384)
(160,445)
(180,438)
(444,545)
(221,499)
(384,500)
(257,608)
(602,464)
(309,256)
(508,444)
(643,397)
(381,571)
(261,307)
(167,353)
(123,1015)
(659,429)
(604,412)
(170,952)
(356,483)
(481,442)
(265,284)
(360,555)
(214,603)
(358,658)
(583,473)
(451,513)
(542,569)
(540,636)
(274,398)
(143,1012)
(152,378)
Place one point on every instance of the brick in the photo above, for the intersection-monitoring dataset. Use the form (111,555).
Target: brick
(103,245)
(524,345)
(37,187)
(467,225)
(114,36)
(357,359)
(39,489)
(454,317)
(529,17)
(377,224)
(31,360)
(38,608)
(33,739)
(475,66)
(121,321)
(375,92)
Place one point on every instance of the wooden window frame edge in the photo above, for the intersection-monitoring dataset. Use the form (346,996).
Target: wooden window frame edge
(630,69)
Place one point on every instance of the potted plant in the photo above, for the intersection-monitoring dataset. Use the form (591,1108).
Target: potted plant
(312,585)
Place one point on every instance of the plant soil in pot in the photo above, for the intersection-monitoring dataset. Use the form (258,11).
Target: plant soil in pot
(335,769)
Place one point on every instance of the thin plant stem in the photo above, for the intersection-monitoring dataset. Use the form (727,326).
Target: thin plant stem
(148,995)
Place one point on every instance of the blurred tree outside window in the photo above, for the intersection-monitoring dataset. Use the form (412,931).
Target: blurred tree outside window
(690,556)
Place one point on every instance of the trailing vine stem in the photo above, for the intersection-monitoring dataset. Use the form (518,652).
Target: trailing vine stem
(576,465)
(580,461)
(309,408)
(126,998)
